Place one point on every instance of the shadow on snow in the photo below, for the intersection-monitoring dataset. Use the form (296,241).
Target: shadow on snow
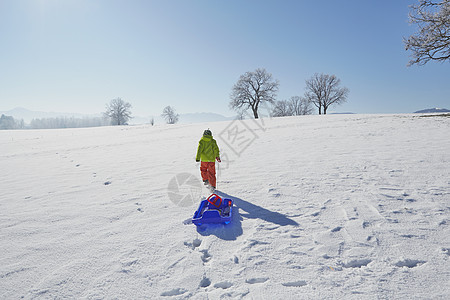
(231,231)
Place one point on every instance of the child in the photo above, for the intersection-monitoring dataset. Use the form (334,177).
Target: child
(207,152)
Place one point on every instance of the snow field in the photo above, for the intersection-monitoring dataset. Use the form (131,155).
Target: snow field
(343,206)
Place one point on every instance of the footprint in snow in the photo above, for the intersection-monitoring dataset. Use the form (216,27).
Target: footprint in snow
(357,263)
(256,280)
(174,292)
(410,263)
(376,240)
(223,285)
(130,263)
(410,236)
(206,256)
(446,251)
(235,259)
(336,229)
(299,283)
(205,282)
(139,209)
(195,243)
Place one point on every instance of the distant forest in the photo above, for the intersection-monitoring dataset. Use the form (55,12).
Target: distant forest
(8,122)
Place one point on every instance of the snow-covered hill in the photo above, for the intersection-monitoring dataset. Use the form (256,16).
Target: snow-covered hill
(326,207)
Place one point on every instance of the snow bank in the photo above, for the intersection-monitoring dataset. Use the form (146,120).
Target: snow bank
(342,206)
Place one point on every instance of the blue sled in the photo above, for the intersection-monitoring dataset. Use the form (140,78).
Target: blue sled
(213,210)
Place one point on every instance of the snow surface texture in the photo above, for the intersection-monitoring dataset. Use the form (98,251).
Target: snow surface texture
(342,206)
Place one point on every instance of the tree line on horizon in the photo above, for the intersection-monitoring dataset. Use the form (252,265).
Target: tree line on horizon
(9,122)
(253,90)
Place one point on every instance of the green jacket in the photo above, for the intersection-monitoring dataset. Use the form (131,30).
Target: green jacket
(207,149)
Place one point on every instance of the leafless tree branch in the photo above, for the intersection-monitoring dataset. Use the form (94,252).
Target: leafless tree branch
(432,41)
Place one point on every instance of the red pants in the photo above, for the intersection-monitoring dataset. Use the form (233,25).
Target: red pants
(208,170)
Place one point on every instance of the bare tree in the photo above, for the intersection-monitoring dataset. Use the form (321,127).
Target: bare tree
(170,115)
(300,106)
(252,89)
(282,109)
(432,42)
(323,91)
(119,111)
(240,114)
(295,106)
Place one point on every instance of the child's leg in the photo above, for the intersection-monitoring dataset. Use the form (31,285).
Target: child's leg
(204,170)
(212,173)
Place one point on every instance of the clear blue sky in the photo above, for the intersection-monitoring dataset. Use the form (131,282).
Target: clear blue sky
(77,55)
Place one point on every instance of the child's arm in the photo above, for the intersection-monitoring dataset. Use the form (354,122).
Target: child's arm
(199,151)
(216,151)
